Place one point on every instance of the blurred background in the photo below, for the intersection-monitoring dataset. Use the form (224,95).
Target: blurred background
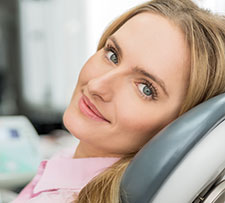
(43,46)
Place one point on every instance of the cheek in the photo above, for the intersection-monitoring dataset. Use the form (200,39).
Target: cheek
(134,132)
(135,116)
(137,124)
(91,69)
(86,73)
(67,119)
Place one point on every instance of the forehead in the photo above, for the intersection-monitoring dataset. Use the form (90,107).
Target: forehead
(156,43)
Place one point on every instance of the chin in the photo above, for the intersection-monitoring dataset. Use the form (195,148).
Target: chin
(75,125)
(66,119)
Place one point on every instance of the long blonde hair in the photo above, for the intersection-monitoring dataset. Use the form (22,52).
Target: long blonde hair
(205,35)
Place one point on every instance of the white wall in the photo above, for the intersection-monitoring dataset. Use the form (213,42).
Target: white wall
(214,5)
(53,48)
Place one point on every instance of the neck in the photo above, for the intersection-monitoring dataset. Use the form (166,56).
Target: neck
(86,151)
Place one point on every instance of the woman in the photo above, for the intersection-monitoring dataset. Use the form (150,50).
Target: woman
(153,63)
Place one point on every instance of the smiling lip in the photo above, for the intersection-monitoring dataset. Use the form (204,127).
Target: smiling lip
(90,110)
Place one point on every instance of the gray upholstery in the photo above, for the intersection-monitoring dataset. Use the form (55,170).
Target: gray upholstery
(159,157)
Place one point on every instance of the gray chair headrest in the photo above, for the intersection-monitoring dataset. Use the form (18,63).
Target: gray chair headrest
(158,158)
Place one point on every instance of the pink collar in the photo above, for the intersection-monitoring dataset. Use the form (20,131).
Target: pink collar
(68,173)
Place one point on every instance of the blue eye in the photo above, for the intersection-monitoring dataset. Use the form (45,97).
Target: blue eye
(112,56)
(145,89)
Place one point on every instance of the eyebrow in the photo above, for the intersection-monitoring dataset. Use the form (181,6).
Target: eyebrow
(152,77)
(139,69)
(113,39)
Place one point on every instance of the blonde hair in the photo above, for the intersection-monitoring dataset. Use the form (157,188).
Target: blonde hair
(205,35)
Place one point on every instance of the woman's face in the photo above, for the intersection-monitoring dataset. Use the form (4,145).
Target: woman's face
(131,88)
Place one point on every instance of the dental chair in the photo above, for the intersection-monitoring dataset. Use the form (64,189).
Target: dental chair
(183,163)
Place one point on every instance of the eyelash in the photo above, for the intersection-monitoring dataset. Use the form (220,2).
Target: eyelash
(154,96)
(110,48)
(153,89)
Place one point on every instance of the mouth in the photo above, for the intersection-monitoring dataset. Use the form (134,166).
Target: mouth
(90,110)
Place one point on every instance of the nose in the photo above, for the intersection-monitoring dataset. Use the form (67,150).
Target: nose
(102,87)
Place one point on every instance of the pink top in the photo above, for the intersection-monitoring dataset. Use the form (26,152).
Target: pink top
(61,178)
